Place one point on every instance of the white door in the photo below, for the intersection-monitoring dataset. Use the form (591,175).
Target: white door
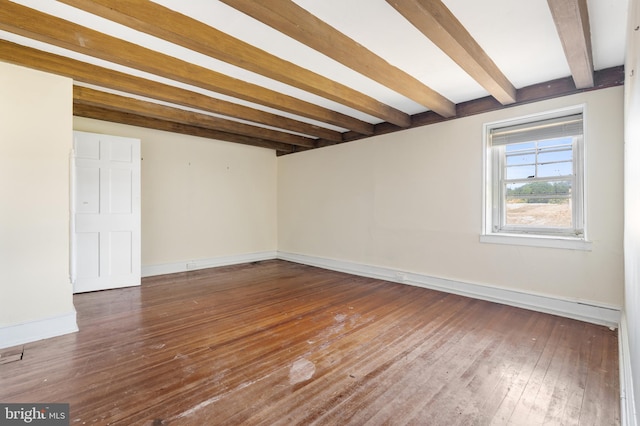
(105,212)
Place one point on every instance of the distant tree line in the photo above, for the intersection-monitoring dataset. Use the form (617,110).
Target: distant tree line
(540,192)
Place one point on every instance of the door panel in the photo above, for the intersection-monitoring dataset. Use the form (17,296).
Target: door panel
(106,212)
(121,191)
(121,151)
(121,254)
(88,255)
(87,190)
(88,148)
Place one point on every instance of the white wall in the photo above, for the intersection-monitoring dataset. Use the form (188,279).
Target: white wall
(201,199)
(411,201)
(632,203)
(35,144)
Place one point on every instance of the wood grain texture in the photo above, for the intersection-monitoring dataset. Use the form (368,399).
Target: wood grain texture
(572,22)
(277,343)
(92,74)
(437,22)
(608,77)
(104,114)
(174,27)
(294,21)
(40,26)
(88,96)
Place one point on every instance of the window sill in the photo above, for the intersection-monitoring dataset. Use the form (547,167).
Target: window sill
(537,241)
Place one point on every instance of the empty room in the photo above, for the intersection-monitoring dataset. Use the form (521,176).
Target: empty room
(222,212)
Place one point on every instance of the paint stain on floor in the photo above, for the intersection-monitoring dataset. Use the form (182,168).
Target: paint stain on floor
(301,370)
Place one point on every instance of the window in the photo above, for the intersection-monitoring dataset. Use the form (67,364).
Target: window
(534,179)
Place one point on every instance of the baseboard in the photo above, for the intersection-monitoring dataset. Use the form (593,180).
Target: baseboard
(19,334)
(628,415)
(192,265)
(581,310)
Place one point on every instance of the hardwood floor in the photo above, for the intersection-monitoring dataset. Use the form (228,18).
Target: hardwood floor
(277,343)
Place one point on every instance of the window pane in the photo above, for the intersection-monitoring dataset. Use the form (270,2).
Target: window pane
(556,155)
(521,146)
(515,159)
(555,142)
(557,215)
(555,169)
(539,204)
(540,189)
(520,172)
(534,175)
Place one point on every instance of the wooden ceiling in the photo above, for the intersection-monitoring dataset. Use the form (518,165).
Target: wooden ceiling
(292,79)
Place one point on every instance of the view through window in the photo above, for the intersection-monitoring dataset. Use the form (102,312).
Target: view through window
(536,176)
(538,182)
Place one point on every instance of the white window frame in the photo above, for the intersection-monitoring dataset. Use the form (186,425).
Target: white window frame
(493,229)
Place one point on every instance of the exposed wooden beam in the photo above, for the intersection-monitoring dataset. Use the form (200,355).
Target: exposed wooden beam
(609,77)
(294,21)
(162,22)
(437,22)
(87,96)
(572,21)
(104,77)
(40,26)
(98,113)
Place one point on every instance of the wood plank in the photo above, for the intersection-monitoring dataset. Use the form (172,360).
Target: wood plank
(104,114)
(174,27)
(87,96)
(506,367)
(572,22)
(31,23)
(104,77)
(11,354)
(598,383)
(437,22)
(294,21)
(280,343)
(609,77)
(80,71)
(424,345)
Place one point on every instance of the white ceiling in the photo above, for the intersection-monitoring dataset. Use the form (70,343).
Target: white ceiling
(518,35)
